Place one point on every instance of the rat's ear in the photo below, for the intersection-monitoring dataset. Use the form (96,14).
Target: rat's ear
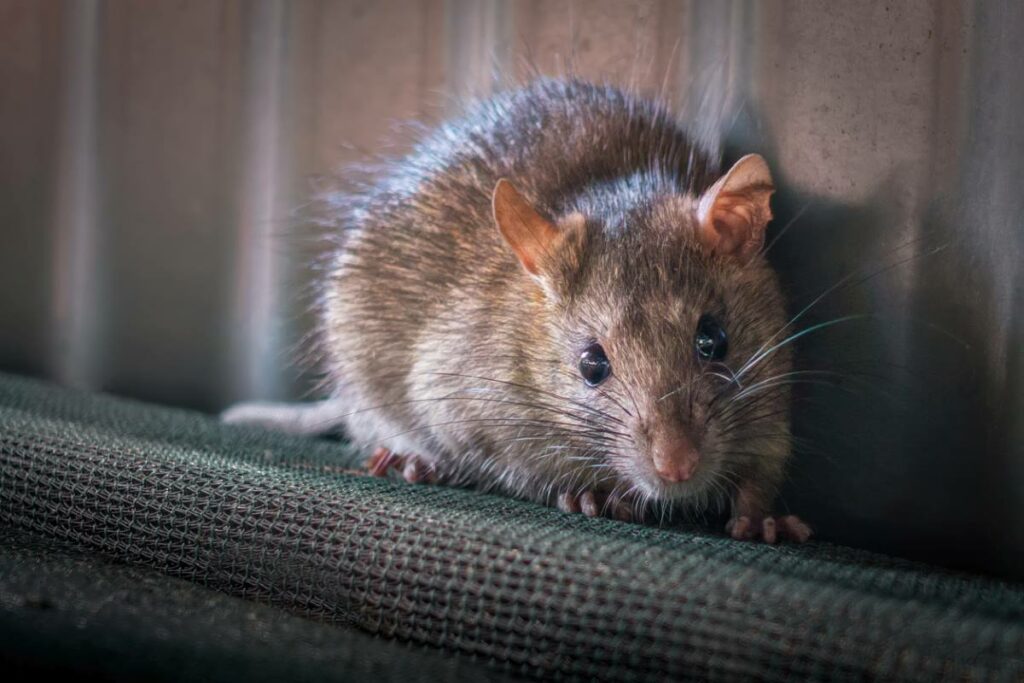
(530,235)
(733,213)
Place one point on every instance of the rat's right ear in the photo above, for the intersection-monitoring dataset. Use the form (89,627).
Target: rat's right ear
(733,213)
(530,235)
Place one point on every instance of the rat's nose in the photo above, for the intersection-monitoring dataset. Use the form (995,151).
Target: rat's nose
(675,456)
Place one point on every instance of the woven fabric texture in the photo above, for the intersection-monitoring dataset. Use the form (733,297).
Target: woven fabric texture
(69,616)
(527,589)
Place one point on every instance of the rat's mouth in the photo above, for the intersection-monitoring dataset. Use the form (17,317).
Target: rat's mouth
(681,490)
(657,487)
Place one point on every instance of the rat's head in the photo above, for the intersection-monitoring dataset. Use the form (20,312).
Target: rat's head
(664,317)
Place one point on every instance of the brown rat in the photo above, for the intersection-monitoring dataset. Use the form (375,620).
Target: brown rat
(557,297)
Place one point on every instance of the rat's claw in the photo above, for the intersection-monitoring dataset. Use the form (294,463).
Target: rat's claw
(597,504)
(568,502)
(768,529)
(739,528)
(381,461)
(417,469)
(794,528)
(588,504)
(414,469)
(621,510)
(585,502)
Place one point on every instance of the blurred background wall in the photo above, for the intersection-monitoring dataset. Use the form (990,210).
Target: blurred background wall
(154,155)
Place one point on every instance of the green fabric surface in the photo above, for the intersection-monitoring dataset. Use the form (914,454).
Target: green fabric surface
(66,614)
(525,588)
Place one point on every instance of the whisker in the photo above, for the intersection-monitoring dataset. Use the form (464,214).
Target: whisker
(792,221)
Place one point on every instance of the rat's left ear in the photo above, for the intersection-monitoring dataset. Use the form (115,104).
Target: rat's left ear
(733,213)
(531,236)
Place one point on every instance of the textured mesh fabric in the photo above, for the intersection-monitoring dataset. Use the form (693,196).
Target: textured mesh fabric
(69,616)
(526,588)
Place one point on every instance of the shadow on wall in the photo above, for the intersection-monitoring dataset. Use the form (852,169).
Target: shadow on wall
(899,152)
(904,411)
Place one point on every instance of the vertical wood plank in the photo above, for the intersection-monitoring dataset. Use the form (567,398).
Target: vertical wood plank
(30,66)
(359,73)
(254,360)
(631,43)
(77,312)
(171,124)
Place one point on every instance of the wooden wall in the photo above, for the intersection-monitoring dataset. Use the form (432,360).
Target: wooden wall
(152,154)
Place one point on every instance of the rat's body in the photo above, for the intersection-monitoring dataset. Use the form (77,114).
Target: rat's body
(455,348)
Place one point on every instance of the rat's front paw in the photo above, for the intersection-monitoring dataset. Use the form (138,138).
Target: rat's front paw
(413,468)
(768,529)
(594,504)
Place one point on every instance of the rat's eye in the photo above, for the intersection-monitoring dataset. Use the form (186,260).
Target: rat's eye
(594,365)
(710,340)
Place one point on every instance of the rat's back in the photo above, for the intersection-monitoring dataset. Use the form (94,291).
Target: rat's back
(421,236)
(553,139)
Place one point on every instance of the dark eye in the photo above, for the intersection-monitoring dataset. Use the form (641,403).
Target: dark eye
(594,365)
(710,340)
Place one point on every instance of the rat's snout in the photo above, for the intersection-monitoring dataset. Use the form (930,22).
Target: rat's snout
(674,454)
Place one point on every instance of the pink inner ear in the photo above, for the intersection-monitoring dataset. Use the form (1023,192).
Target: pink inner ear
(736,223)
(733,220)
(529,234)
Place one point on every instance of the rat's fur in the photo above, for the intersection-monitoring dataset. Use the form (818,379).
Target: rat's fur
(437,342)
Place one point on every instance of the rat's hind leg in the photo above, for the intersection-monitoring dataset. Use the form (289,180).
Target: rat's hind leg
(414,469)
(306,419)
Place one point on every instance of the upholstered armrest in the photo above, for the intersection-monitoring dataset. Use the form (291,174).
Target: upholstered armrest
(528,589)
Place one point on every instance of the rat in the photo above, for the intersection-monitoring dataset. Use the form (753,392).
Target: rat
(559,297)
